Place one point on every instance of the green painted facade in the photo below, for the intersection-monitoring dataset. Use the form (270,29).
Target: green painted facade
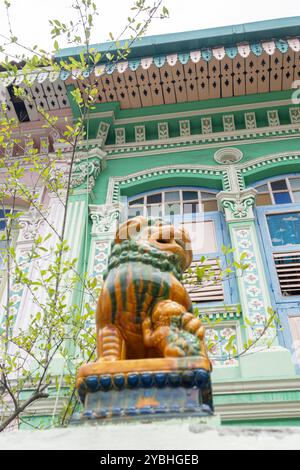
(261,388)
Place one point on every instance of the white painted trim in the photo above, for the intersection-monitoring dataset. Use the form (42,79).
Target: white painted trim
(221,169)
(198,112)
(157,149)
(260,131)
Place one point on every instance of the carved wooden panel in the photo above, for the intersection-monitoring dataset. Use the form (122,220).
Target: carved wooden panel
(191,81)
(276,62)
(251,66)
(288,69)
(227,79)
(263,76)
(203,83)
(180,82)
(166,73)
(239,81)
(155,86)
(214,78)
(145,89)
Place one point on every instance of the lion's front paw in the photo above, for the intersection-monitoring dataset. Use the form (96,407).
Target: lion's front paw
(174,351)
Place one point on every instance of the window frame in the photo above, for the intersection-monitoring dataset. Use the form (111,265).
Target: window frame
(165,190)
(222,238)
(268,249)
(269,181)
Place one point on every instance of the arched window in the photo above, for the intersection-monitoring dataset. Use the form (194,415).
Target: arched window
(172,202)
(197,210)
(278,191)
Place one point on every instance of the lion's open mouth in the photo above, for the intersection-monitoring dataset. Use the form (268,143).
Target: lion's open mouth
(165,241)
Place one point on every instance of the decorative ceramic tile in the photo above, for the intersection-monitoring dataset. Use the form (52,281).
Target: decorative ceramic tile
(228,123)
(217,339)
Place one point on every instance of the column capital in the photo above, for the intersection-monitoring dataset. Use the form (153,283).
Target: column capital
(87,167)
(30,225)
(237,205)
(105,218)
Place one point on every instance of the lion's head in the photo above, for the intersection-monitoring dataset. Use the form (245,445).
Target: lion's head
(158,236)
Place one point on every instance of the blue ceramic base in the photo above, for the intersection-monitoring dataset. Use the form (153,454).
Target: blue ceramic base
(147,394)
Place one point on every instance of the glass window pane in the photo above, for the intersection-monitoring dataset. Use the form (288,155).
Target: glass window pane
(263,200)
(2,224)
(210,206)
(282,198)
(154,198)
(138,202)
(154,211)
(172,196)
(135,212)
(295,183)
(262,189)
(284,228)
(207,195)
(296,195)
(190,195)
(203,236)
(278,185)
(191,208)
(172,209)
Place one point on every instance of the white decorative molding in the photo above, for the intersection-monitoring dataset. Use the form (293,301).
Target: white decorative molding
(273,118)
(120,135)
(223,171)
(206,125)
(87,166)
(140,133)
(104,218)
(228,123)
(163,130)
(30,225)
(237,205)
(185,128)
(103,132)
(113,192)
(295,115)
(228,156)
(250,120)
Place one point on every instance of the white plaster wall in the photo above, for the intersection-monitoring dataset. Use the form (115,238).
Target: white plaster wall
(172,435)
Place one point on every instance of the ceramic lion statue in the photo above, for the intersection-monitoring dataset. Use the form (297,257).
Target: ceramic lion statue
(144,311)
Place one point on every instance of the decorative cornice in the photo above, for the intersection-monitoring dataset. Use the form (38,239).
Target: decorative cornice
(237,205)
(268,160)
(206,137)
(231,175)
(115,183)
(212,143)
(191,113)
